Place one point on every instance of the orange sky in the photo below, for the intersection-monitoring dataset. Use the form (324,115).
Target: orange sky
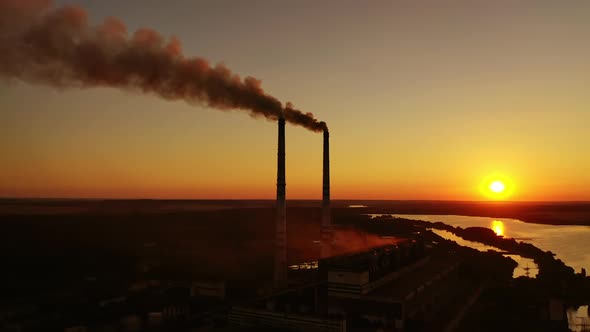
(423,102)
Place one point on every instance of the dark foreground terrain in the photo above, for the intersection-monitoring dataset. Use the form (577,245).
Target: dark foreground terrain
(65,258)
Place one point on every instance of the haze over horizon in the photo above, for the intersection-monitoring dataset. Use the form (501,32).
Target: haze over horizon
(423,102)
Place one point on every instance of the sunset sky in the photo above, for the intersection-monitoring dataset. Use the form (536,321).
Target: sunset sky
(423,101)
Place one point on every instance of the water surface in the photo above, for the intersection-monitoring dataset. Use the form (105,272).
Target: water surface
(571,244)
(578,319)
(526,266)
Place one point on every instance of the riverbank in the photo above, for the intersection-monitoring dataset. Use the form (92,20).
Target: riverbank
(547,213)
(554,276)
(523,303)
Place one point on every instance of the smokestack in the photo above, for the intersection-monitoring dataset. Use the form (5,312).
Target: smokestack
(326,226)
(280,273)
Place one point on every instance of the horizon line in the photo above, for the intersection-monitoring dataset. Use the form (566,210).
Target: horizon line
(293,199)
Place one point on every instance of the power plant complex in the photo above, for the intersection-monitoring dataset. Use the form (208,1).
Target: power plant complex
(342,285)
(387,287)
(362,274)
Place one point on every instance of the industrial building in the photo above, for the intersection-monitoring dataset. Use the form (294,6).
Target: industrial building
(387,288)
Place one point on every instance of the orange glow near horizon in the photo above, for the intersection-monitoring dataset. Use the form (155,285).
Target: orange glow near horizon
(186,184)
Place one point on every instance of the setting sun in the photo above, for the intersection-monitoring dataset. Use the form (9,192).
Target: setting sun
(497,187)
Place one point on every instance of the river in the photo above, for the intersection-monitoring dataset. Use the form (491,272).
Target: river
(568,243)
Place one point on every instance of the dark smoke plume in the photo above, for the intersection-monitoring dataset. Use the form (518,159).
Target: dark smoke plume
(57,46)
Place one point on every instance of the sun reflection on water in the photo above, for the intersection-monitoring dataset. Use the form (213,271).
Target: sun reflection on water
(498,227)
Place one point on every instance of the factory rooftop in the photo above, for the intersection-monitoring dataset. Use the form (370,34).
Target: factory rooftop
(420,277)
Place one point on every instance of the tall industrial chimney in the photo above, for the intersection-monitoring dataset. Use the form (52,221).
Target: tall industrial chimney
(280,273)
(326,226)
